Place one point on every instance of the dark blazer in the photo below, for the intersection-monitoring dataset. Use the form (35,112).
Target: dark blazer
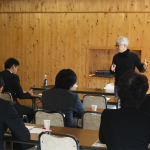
(122,129)
(9,118)
(12,85)
(145,106)
(57,99)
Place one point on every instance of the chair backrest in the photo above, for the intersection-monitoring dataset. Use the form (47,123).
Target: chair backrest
(52,141)
(119,103)
(6,96)
(100,101)
(57,118)
(91,120)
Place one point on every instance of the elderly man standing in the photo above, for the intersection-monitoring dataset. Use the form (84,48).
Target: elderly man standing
(125,60)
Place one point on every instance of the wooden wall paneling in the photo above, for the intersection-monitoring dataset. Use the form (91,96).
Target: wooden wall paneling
(55,34)
(147,5)
(101,29)
(80,36)
(84,40)
(10,31)
(120,30)
(76,5)
(49,55)
(106,29)
(42,45)
(59,46)
(18,42)
(4,35)
(46,31)
(38,54)
(33,64)
(75,49)
(31,50)
(126,25)
(51,35)
(77,46)
(63,43)
(68,40)
(135,30)
(24,52)
(141,28)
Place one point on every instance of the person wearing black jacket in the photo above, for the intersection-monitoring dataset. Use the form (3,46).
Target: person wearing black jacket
(9,118)
(12,85)
(125,60)
(60,98)
(127,128)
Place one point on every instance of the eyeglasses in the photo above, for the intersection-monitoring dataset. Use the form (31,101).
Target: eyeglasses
(118,45)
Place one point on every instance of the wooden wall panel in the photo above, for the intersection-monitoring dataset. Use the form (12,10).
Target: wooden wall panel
(47,36)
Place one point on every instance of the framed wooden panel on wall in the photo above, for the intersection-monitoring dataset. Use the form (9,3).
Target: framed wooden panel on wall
(100,58)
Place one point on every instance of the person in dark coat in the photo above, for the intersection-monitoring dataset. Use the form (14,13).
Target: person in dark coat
(127,127)
(60,98)
(12,85)
(10,121)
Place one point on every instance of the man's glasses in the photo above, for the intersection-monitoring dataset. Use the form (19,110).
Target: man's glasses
(118,45)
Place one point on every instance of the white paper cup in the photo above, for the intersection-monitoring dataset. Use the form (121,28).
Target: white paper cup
(47,124)
(94,107)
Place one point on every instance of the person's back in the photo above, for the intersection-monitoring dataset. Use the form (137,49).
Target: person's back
(125,129)
(9,118)
(60,98)
(145,106)
(57,99)
(10,84)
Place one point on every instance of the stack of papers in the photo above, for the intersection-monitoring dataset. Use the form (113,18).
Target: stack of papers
(32,129)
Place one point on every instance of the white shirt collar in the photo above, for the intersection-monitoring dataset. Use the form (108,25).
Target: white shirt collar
(9,70)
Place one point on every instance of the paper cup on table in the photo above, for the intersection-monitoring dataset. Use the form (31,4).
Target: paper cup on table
(47,124)
(94,107)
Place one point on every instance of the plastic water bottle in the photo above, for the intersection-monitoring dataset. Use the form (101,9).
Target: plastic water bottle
(45,80)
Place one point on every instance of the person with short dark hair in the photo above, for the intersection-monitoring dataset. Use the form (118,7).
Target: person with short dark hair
(127,127)
(9,118)
(12,85)
(60,98)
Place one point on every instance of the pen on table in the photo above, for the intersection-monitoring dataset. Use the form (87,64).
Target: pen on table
(49,129)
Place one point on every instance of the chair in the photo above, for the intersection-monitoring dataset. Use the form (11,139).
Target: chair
(118,106)
(6,96)
(53,141)
(91,120)
(100,101)
(57,118)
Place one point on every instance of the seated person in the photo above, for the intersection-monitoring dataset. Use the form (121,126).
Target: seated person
(127,127)
(12,85)
(60,98)
(9,118)
(145,106)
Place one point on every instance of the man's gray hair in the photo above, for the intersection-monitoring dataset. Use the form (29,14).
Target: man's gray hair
(123,40)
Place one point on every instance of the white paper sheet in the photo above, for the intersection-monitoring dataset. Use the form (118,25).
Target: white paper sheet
(30,127)
(107,99)
(99,144)
(38,130)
